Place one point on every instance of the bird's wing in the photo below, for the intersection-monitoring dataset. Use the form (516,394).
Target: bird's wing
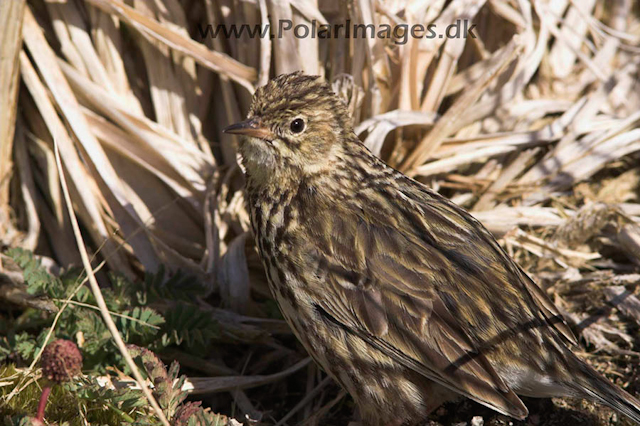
(490,254)
(424,283)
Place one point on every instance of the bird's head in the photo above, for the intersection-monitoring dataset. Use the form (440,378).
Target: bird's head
(296,125)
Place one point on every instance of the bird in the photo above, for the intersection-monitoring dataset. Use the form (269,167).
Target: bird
(401,296)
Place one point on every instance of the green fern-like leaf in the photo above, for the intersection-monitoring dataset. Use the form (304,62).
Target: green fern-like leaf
(21,344)
(189,325)
(139,325)
(88,388)
(95,332)
(37,279)
(125,403)
(177,286)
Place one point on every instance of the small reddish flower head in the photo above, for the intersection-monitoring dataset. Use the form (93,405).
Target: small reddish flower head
(61,361)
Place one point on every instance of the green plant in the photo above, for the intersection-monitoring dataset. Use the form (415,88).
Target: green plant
(151,314)
(135,306)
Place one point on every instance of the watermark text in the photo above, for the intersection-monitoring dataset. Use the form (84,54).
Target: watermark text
(398,33)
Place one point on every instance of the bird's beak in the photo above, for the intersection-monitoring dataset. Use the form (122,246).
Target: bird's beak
(250,127)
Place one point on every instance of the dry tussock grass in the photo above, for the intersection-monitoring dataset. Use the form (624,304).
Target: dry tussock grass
(533,126)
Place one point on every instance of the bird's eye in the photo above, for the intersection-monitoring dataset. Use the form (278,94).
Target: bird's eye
(297,125)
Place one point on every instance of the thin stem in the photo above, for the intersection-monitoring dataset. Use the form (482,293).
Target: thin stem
(43,402)
(97,293)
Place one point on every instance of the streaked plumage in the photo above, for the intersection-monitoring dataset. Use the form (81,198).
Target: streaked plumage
(400,295)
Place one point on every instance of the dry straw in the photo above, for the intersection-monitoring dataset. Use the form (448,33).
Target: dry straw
(533,125)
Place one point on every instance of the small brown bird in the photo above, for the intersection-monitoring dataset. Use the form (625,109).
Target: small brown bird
(401,296)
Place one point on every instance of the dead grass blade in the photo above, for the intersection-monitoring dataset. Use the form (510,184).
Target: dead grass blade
(216,61)
(11,13)
(97,293)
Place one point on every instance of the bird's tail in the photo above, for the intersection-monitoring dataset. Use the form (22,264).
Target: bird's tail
(594,386)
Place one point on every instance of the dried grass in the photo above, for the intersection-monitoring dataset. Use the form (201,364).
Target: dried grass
(534,126)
